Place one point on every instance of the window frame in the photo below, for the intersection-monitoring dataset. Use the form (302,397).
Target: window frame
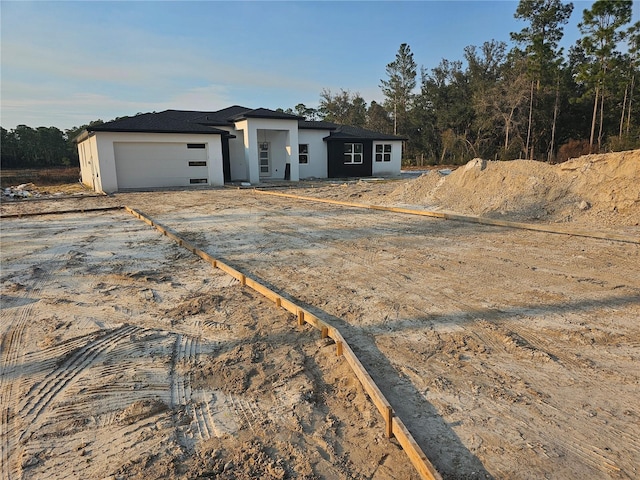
(383,152)
(264,169)
(304,153)
(352,153)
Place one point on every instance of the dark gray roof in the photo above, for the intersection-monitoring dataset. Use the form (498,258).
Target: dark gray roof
(347,132)
(317,125)
(221,117)
(265,113)
(187,121)
(169,121)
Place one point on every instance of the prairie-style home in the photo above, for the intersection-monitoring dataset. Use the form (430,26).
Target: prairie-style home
(236,144)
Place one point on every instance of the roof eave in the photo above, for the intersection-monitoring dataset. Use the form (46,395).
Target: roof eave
(310,127)
(356,137)
(82,136)
(247,115)
(160,130)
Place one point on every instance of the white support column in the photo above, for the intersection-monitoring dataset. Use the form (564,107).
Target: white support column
(251,152)
(292,154)
(214,161)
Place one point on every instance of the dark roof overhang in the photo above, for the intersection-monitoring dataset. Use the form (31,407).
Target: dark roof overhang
(264,113)
(207,131)
(381,137)
(82,136)
(316,125)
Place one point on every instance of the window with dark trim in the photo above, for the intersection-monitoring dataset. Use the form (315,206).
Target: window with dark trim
(196,145)
(197,180)
(197,163)
(352,153)
(303,153)
(383,152)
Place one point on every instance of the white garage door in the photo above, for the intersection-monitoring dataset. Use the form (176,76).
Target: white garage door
(146,164)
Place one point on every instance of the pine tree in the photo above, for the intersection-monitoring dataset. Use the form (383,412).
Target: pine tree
(601,30)
(398,89)
(540,40)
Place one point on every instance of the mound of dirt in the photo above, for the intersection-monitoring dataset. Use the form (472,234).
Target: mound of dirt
(596,189)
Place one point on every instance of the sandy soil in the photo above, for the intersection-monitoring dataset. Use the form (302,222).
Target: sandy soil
(123,356)
(508,353)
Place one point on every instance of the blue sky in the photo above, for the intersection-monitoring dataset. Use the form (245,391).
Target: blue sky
(67,63)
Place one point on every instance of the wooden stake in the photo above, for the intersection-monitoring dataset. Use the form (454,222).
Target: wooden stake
(278,302)
(338,349)
(300,317)
(243,280)
(389,420)
(325,332)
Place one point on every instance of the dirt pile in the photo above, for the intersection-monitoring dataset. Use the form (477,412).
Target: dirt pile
(590,189)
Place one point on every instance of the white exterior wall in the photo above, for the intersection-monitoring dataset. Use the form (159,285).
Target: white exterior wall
(85,176)
(388,168)
(239,166)
(250,150)
(104,160)
(317,166)
(88,152)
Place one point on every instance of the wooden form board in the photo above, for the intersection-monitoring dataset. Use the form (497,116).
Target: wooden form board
(393,425)
(413,451)
(60,212)
(559,229)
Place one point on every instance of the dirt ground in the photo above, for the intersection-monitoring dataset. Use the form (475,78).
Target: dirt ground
(508,353)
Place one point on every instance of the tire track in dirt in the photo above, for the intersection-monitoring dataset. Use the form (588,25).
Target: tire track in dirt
(186,350)
(129,441)
(581,446)
(244,410)
(203,421)
(178,394)
(590,455)
(49,356)
(5,422)
(13,349)
(46,391)
(11,344)
(609,434)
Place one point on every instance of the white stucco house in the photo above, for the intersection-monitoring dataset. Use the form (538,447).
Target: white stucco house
(182,148)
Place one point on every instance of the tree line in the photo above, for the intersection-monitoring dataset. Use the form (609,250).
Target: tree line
(532,101)
(42,147)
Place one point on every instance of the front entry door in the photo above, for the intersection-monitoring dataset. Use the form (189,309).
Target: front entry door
(265,164)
